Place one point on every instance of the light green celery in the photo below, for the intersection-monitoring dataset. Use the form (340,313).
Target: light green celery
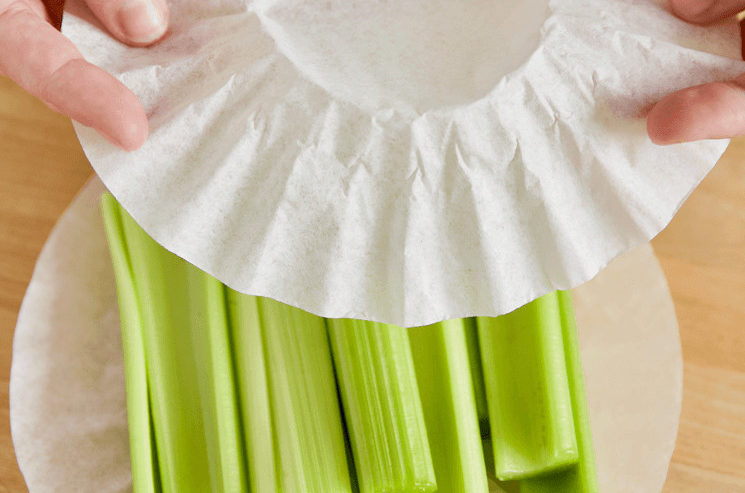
(216,382)
(382,408)
(163,293)
(144,470)
(581,478)
(253,391)
(477,375)
(307,430)
(527,390)
(193,397)
(443,371)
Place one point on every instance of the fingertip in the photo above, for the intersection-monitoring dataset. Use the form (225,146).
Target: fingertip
(96,99)
(660,127)
(132,134)
(142,22)
(681,116)
(134,22)
(693,11)
(132,130)
(708,111)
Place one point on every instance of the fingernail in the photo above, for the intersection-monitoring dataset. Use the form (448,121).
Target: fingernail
(142,21)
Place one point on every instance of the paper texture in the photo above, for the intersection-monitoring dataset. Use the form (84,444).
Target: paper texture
(67,402)
(407,161)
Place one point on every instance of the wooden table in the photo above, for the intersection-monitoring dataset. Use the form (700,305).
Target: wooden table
(702,252)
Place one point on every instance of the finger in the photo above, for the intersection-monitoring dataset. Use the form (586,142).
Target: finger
(48,65)
(709,111)
(135,22)
(706,11)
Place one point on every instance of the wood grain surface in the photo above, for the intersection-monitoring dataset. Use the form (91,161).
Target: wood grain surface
(702,252)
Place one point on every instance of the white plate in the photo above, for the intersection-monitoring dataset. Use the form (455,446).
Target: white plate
(67,402)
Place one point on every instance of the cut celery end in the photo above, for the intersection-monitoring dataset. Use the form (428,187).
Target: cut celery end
(253,391)
(382,409)
(308,432)
(527,390)
(144,468)
(581,478)
(443,371)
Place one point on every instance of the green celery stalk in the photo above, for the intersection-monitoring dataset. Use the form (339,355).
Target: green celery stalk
(443,371)
(308,433)
(382,408)
(163,294)
(527,390)
(253,391)
(144,469)
(581,478)
(217,389)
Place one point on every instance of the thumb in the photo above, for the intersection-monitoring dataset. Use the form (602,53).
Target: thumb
(135,22)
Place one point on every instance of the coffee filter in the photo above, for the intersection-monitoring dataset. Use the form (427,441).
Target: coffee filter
(408,161)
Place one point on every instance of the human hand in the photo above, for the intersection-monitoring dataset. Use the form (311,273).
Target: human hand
(41,60)
(708,111)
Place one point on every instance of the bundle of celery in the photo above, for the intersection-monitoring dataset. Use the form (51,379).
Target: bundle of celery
(232,393)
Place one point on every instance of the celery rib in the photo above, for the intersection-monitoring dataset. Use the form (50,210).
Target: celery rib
(217,389)
(305,412)
(443,371)
(581,478)
(527,390)
(144,468)
(382,408)
(162,290)
(253,391)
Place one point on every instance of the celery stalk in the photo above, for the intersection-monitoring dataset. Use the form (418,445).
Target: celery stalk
(253,391)
(443,371)
(144,469)
(382,408)
(217,389)
(162,289)
(307,429)
(527,390)
(582,477)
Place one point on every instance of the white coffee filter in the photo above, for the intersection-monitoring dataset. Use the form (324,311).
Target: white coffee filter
(406,161)
(67,401)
